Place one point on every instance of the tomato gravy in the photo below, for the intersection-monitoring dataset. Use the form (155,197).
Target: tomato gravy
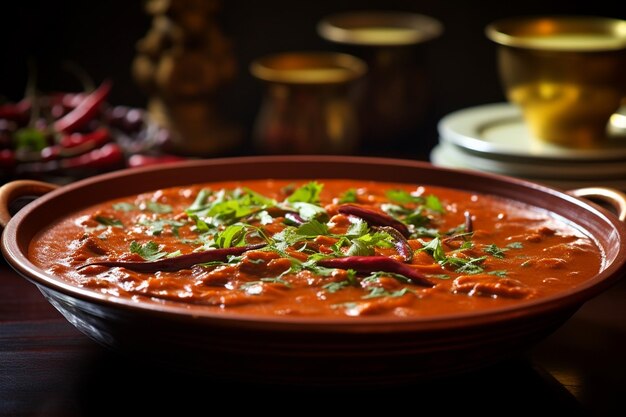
(316,248)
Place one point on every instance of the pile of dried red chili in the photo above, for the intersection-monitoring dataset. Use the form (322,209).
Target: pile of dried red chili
(68,134)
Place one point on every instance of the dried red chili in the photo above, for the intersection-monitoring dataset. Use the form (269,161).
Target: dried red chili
(85,111)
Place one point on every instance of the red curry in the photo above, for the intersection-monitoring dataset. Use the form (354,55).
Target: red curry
(319,248)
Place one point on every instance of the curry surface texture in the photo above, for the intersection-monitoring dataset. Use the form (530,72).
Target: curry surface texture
(325,248)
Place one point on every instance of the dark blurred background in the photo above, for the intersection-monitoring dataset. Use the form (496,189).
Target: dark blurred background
(100,37)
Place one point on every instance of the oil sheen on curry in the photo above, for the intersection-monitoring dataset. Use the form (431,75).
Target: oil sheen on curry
(319,249)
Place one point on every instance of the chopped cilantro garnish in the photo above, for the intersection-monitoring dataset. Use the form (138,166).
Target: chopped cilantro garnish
(494,250)
(201,201)
(360,248)
(376,292)
(435,248)
(312,228)
(433,203)
(467,265)
(158,208)
(463,265)
(226,207)
(439,276)
(358,228)
(309,211)
(232,236)
(246,286)
(108,221)
(373,277)
(149,251)
(335,286)
(308,193)
(349,196)
(403,197)
(157,226)
(497,252)
(126,207)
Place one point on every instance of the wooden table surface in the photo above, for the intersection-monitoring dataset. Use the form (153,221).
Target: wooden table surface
(48,368)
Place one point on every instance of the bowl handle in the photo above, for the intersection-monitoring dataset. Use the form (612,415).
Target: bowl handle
(614,198)
(13,190)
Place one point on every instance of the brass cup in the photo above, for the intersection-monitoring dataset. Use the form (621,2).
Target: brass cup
(397,87)
(567,74)
(309,103)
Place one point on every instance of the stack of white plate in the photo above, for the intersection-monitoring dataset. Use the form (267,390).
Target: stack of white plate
(494,138)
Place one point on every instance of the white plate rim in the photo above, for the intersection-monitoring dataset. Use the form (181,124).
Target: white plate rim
(439,157)
(575,170)
(463,129)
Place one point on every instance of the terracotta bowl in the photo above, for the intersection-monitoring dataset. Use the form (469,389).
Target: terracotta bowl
(309,350)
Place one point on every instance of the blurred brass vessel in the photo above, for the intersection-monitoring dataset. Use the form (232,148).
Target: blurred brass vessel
(567,73)
(310,103)
(397,95)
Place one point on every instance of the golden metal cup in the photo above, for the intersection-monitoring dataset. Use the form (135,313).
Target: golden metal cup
(567,74)
(397,86)
(309,105)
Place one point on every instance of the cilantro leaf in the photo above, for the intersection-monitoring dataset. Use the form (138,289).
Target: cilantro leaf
(200,225)
(272,280)
(312,228)
(376,292)
(232,236)
(439,276)
(494,251)
(425,232)
(310,211)
(497,252)
(308,193)
(403,197)
(360,248)
(335,286)
(433,203)
(264,217)
(126,207)
(467,266)
(201,201)
(158,208)
(157,226)
(109,221)
(435,249)
(149,251)
(358,228)
(288,236)
(349,196)
(228,206)
(375,276)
